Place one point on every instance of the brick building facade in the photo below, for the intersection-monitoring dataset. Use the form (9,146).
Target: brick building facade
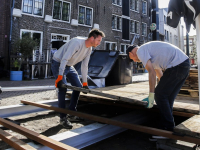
(4,32)
(53,21)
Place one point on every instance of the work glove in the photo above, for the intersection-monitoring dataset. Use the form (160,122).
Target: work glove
(150,100)
(85,85)
(59,81)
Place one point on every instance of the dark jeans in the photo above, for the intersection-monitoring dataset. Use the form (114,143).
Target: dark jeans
(167,90)
(71,74)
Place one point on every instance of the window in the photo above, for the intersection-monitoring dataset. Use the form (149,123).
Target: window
(144,29)
(110,45)
(165,20)
(33,7)
(144,7)
(124,47)
(134,27)
(175,40)
(134,5)
(116,22)
(117,2)
(167,36)
(61,10)
(85,16)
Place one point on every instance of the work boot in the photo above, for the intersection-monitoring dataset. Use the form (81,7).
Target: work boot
(65,123)
(74,118)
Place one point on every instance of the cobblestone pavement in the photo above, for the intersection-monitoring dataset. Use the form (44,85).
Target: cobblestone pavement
(13,98)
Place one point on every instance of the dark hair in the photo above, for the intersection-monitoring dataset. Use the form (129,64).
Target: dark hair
(95,33)
(129,49)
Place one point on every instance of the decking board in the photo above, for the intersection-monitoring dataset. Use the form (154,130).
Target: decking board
(190,127)
(139,91)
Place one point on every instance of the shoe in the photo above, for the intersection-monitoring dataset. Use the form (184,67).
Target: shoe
(154,138)
(66,123)
(74,118)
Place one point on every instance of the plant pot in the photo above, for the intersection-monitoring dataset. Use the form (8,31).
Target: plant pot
(16,75)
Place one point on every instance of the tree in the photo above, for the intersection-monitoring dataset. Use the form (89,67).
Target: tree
(25,46)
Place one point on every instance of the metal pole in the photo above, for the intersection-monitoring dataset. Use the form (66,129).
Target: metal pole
(198,50)
(27,88)
(187,44)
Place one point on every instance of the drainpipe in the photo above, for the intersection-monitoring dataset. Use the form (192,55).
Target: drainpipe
(10,36)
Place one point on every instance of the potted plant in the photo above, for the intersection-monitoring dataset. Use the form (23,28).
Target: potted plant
(16,74)
(25,47)
(16,65)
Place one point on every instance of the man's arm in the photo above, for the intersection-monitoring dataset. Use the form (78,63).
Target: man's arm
(152,76)
(84,68)
(159,73)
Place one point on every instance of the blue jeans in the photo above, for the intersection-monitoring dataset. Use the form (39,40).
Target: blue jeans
(167,90)
(71,74)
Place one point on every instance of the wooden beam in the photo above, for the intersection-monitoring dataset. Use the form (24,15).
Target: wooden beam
(135,127)
(14,142)
(36,136)
(107,95)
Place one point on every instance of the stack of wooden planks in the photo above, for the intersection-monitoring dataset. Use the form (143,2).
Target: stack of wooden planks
(190,88)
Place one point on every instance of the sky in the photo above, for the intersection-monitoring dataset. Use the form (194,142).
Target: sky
(164,4)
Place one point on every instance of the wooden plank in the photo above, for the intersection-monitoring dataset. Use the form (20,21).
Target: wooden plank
(107,93)
(190,127)
(139,91)
(36,136)
(14,142)
(135,127)
(194,94)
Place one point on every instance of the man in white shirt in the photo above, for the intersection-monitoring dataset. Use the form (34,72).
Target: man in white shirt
(157,56)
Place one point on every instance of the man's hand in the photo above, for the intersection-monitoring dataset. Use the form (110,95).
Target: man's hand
(57,80)
(150,100)
(85,85)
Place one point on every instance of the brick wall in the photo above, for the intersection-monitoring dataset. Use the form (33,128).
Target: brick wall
(4,30)
(102,15)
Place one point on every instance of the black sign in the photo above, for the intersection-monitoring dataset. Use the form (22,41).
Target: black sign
(189,9)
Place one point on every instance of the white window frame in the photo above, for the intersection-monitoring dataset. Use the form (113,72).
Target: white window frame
(146,7)
(85,16)
(120,24)
(33,31)
(61,11)
(145,29)
(138,5)
(110,47)
(115,3)
(24,13)
(125,47)
(65,38)
(134,27)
